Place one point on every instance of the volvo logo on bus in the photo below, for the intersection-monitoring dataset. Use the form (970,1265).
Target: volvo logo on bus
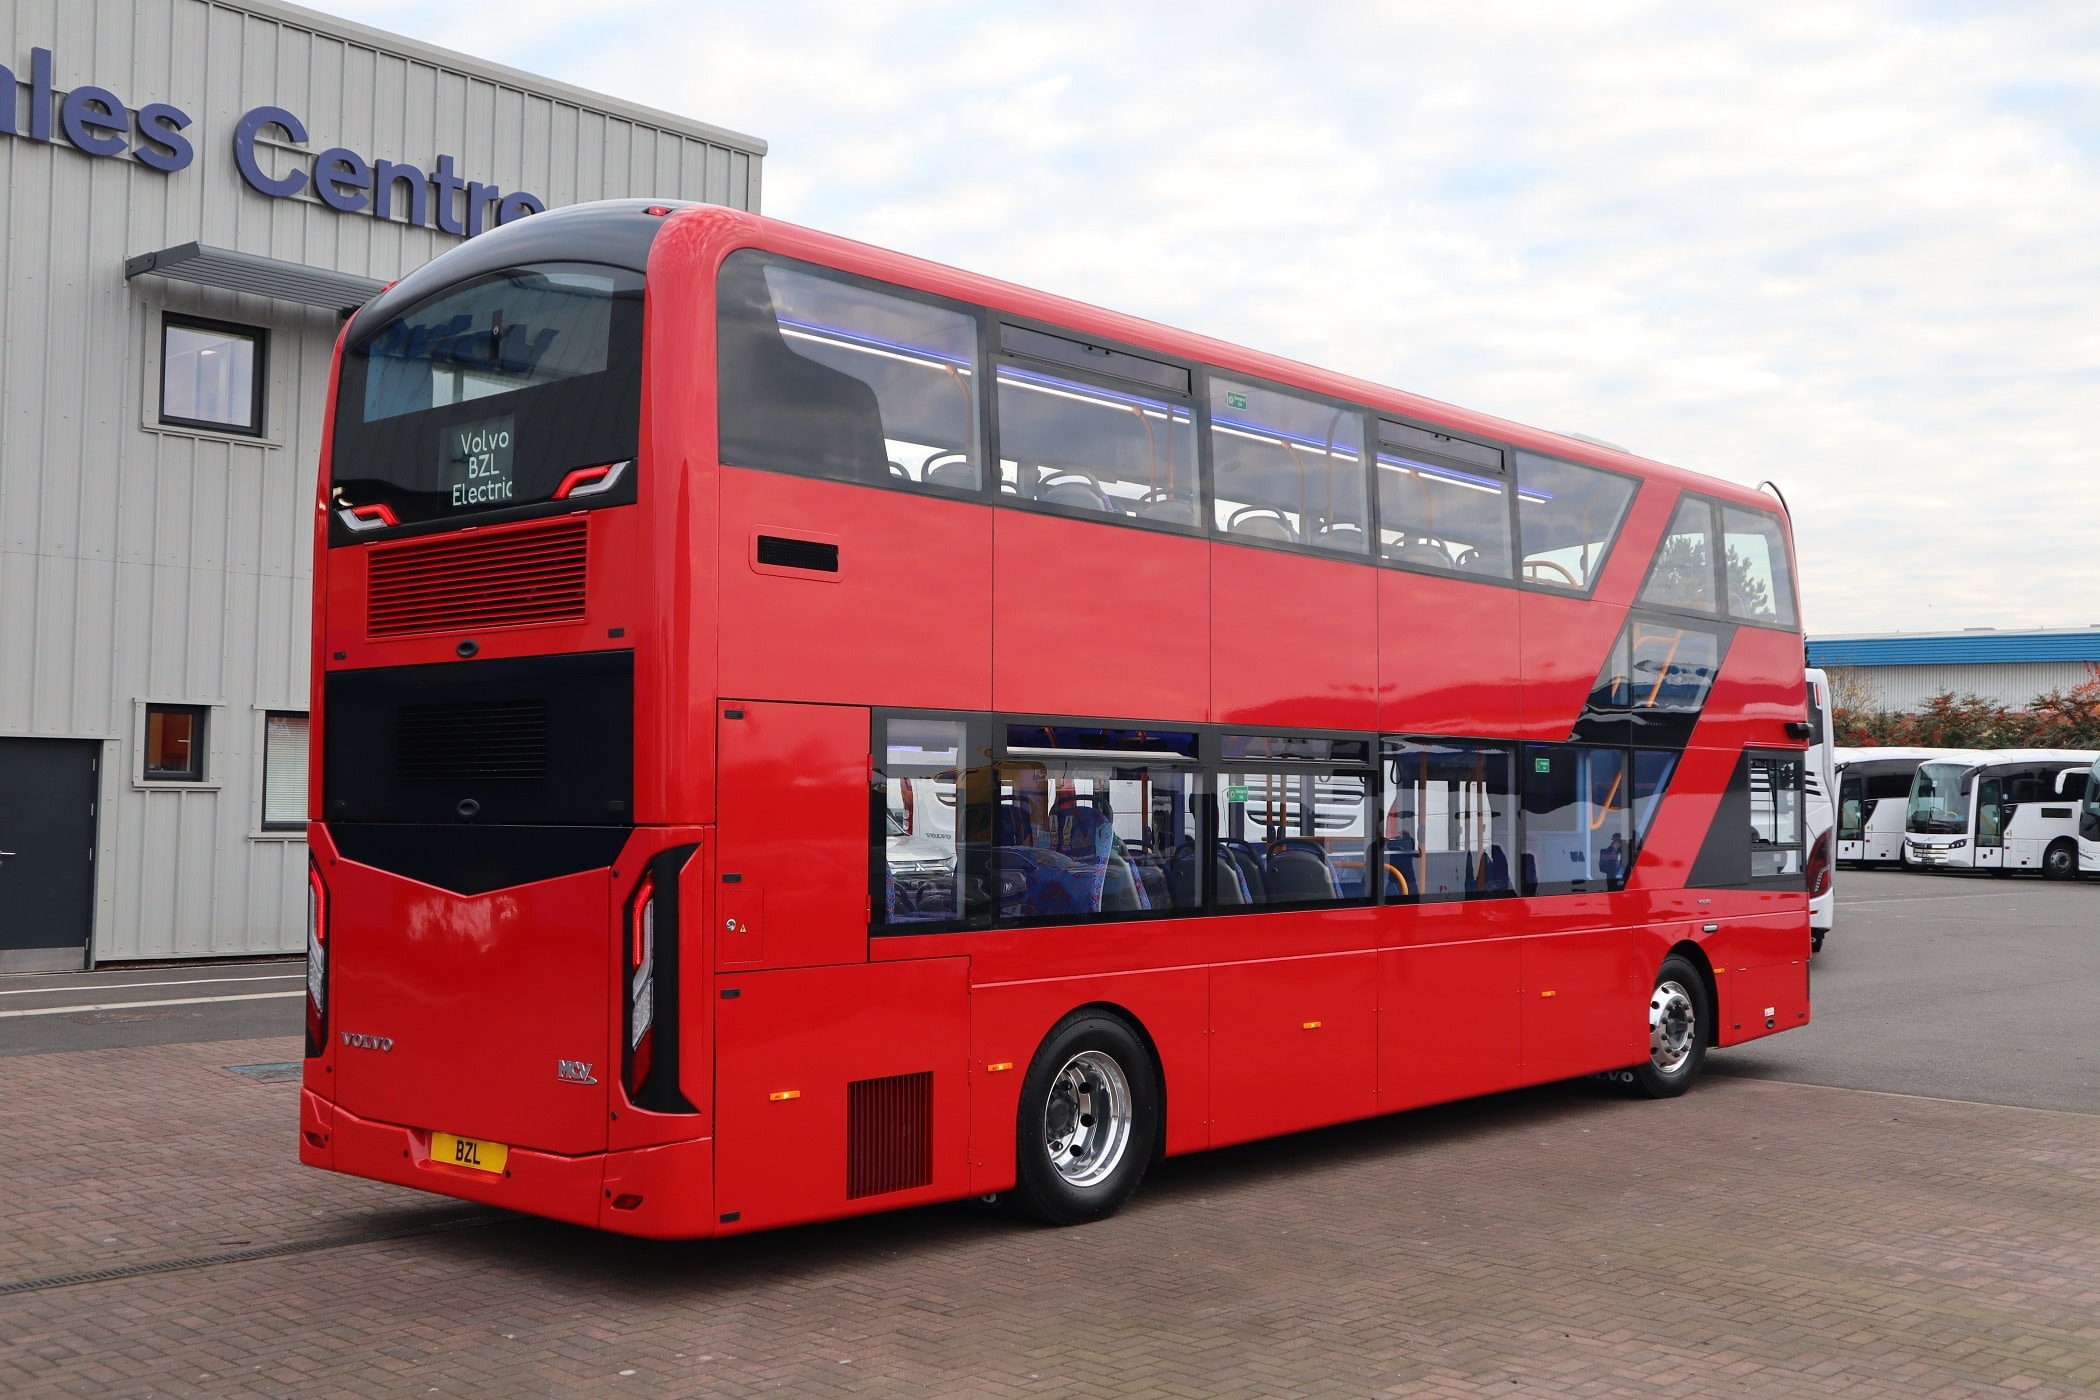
(573,1071)
(355,1041)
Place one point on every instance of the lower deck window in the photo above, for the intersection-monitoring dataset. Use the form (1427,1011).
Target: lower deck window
(1449,811)
(985,820)
(1578,834)
(1775,816)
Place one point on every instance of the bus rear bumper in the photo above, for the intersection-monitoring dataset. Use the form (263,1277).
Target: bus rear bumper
(662,1192)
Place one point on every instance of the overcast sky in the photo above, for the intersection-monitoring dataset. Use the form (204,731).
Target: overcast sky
(1847,247)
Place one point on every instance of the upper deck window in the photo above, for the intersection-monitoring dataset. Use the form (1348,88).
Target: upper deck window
(486,396)
(826,377)
(1760,574)
(1567,518)
(1288,469)
(1683,573)
(1113,444)
(1443,502)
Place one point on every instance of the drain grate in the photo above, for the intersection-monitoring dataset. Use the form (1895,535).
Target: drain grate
(284,1072)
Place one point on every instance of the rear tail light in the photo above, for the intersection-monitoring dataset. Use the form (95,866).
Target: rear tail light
(316,962)
(641,986)
(1819,866)
(377,516)
(590,481)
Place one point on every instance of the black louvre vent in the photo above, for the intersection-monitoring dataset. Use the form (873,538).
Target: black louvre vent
(490,739)
(779,552)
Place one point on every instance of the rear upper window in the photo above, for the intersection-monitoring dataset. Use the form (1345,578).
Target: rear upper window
(1567,518)
(824,376)
(515,330)
(485,396)
(1760,572)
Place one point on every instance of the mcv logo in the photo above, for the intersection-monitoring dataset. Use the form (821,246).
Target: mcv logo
(573,1071)
(367,1042)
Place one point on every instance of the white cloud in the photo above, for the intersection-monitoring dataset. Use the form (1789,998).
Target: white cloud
(1849,247)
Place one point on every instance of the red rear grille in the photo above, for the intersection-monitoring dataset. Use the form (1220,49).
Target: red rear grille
(889,1134)
(457,582)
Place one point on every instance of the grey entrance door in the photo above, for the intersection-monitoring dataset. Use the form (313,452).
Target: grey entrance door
(47,853)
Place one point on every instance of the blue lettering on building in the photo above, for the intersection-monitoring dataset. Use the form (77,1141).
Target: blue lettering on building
(96,122)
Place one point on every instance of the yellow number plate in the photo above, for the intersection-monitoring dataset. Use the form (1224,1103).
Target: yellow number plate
(469,1152)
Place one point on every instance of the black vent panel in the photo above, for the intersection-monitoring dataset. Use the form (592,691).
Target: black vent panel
(889,1134)
(488,739)
(520,741)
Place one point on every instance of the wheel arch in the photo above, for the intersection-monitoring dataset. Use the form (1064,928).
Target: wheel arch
(1696,956)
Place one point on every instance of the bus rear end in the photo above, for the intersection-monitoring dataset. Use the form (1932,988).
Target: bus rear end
(494,974)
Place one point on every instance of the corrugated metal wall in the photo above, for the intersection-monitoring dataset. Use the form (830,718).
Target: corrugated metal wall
(141,563)
(1896,688)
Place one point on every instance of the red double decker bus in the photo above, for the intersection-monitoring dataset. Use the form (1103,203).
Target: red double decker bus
(802,731)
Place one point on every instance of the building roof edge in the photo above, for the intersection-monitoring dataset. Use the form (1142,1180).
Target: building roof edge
(386,41)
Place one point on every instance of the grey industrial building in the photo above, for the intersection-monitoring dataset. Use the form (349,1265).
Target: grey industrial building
(196,190)
(1899,671)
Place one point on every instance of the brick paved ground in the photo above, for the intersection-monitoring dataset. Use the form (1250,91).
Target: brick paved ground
(1752,1239)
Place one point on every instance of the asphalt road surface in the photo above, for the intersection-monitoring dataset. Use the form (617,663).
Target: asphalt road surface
(1941,985)
(162,1005)
(1953,987)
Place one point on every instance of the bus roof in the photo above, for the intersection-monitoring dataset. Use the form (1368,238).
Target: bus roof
(734,228)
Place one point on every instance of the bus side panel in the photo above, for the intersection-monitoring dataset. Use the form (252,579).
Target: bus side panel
(1678,828)
(1447,656)
(797,1056)
(792,847)
(1065,640)
(1762,965)
(675,666)
(1010,1019)
(905,619)
(1564,643)
(1294,1042)
(1291,639)
(1757,691)
(1448,1022)
(1580,1009)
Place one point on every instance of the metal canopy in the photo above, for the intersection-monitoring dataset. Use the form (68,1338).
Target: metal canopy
(248,272)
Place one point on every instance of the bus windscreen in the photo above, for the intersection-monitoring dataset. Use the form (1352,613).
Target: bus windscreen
(1938,798)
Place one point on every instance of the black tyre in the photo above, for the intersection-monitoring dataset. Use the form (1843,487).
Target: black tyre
(1089,1121)
(1815,941)
(2061,861)
(1678,1017)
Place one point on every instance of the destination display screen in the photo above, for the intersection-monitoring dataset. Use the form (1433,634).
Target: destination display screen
(476,463)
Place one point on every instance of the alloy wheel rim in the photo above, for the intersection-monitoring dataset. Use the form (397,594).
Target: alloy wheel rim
(1673,1024)
(1086,1119)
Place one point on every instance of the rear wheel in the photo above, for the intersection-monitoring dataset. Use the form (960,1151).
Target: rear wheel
(1089,1121)
(1678,1015)
(2061,862)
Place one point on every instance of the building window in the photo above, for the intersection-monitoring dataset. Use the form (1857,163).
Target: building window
(284,771)
(174,744)
(211,375)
